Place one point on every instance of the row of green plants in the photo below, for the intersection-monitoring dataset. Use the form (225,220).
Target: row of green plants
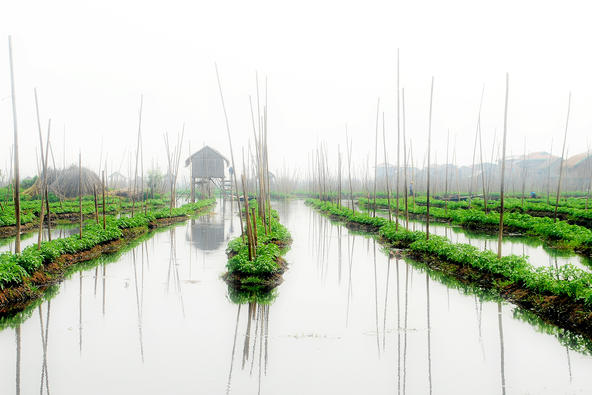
(566,280)
(31,209)
(14,268)
(270,246)
(573,210)
(561,234)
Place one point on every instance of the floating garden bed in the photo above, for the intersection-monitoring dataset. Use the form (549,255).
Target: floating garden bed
(24,276)
(561,296)
(264,270)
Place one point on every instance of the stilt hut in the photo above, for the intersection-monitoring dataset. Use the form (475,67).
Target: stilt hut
(208,167)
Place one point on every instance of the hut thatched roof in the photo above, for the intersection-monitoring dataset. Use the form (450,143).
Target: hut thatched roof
(64,183)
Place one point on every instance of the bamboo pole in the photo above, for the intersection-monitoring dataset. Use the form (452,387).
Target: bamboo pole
(17,188)
(80,191)
(96,204)
(386,173)
(549,172)
(44,190)
(446,174)
(428,175)
(349,152)
(590,177)
(561,163)
(376,157)
(482,166)
(398,147)
(405,166)
(477,132)
(247,215)
(523,174)
(339,176)
(230,145)
(103,187)
(137,153)
(501,223)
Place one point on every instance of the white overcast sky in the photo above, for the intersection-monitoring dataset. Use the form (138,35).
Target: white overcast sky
(327,62)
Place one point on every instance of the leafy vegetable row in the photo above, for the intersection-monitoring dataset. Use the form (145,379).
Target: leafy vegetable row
(561,233)
(14,268)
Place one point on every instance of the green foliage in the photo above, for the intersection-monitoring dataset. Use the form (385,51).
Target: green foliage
(561,233)
(14,268)
(267,251)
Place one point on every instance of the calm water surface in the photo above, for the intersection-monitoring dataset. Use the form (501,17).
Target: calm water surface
(348,319)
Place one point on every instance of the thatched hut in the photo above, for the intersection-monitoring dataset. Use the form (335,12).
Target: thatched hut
(64,183)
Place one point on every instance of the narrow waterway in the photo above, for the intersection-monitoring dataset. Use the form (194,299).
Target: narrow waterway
(348,319)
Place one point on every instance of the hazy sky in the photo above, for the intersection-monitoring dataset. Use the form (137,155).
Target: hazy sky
(326,62)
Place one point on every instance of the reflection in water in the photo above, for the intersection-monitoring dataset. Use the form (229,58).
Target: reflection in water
(501,338)
(80,312)
(405,327)
(206,233)
(18,359)
(44,340)
(174,270)
(308,326)
(139,298)
(429,332)
(350,240)
(258,302)
(376,297)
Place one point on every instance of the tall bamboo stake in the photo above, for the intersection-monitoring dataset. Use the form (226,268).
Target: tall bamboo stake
(338,176)
(523,174)
(475,147)
(96,204)
(230,145)
(42,209)
(80,191)
(44,188)
(376,157)
(561,163)
(549,172)
(137,154)
(386,173)
(446,174)
(428,175)
(398,147)
(349,152)
(405,166)
(482,166)
(501,223)
(103,187)
(17,180)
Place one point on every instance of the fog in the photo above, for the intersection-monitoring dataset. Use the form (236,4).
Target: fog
(326,64)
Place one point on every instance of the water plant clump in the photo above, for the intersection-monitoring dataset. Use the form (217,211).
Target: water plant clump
(263,265)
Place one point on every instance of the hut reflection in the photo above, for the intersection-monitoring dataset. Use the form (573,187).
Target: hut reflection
(206,233)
